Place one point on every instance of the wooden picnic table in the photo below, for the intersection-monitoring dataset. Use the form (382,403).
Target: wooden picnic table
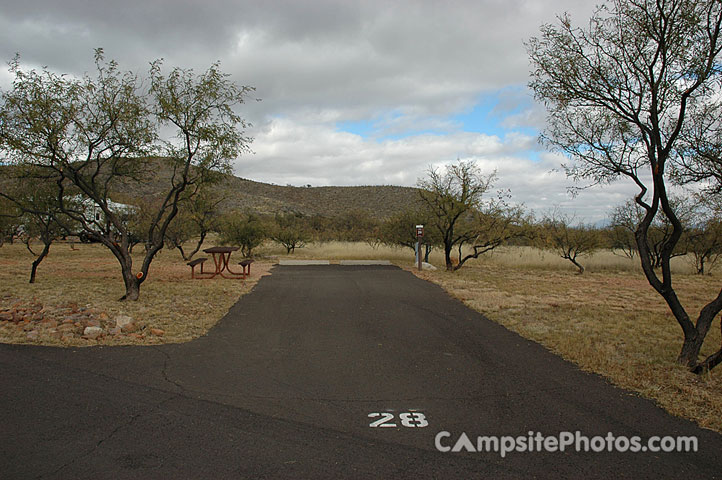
(221,257)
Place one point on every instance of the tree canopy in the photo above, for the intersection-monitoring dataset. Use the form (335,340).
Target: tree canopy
(87,134)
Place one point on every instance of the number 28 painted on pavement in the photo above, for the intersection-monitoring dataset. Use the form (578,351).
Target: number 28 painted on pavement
(408,419)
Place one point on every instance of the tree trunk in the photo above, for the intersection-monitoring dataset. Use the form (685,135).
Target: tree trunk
(27,245)
(37,261)
(578,265)
(447,256)
(690,351)
(132,286)
(195,250)
(131,281)
(709,363)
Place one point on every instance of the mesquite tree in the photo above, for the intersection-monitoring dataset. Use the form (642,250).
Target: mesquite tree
(400,230)
(571,242)
(10,221)
(462,218)
(88,134)
(199,215)
(633,95)
(39,216)
(246,230)
(626,217)
(290,230)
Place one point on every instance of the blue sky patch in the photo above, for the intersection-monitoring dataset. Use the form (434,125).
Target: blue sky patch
(493,114)
(362,128)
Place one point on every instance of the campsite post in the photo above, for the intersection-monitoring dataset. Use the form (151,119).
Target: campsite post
(419,234)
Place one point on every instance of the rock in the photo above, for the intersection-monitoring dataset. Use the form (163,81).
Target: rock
(32,335)
(103,317)
(35,307)
(66,327)
(49,323)
(136,335)
(55,334)
(114,331)
(68,321)
(427,266)
(92,332)
(67,337)
(157,332)
(123,320)
(93,322)
(129,328)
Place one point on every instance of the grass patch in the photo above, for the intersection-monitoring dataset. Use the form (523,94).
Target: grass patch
(608,322)
(87,281)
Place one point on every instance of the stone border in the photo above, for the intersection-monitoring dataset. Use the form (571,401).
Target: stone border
(304,262)
(365,262)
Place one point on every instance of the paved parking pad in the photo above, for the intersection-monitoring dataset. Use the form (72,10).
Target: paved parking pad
(336,372)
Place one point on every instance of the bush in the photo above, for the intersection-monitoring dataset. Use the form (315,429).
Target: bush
(247,231)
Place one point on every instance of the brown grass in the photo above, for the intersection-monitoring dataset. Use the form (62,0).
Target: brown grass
(88,279)
(609,322)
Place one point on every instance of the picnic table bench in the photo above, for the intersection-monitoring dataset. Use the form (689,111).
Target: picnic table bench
(244,264)
(193,263)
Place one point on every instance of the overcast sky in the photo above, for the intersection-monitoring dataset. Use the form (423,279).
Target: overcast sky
(352,93)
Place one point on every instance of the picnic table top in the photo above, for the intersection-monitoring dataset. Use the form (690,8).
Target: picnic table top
(221,249)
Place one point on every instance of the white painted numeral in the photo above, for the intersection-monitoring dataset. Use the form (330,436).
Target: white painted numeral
(413,419)
(408,419)
(382,422)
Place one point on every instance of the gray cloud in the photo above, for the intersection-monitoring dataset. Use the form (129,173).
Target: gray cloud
(407,66)
(430,55)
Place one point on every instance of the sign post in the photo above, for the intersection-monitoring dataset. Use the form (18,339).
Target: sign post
(419,234)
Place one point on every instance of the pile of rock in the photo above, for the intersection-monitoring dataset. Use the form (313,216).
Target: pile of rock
(69,322)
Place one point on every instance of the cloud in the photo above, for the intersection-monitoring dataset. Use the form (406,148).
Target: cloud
(289,151)
(407,70)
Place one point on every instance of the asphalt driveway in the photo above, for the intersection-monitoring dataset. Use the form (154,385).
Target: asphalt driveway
(326,372)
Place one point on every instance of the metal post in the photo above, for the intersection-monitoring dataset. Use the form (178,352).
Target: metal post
(419,234)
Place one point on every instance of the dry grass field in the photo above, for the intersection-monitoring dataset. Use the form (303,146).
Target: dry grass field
(86,284)
(608,321)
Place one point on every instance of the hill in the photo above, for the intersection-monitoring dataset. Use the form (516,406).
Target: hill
(243,194)
(379,201)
